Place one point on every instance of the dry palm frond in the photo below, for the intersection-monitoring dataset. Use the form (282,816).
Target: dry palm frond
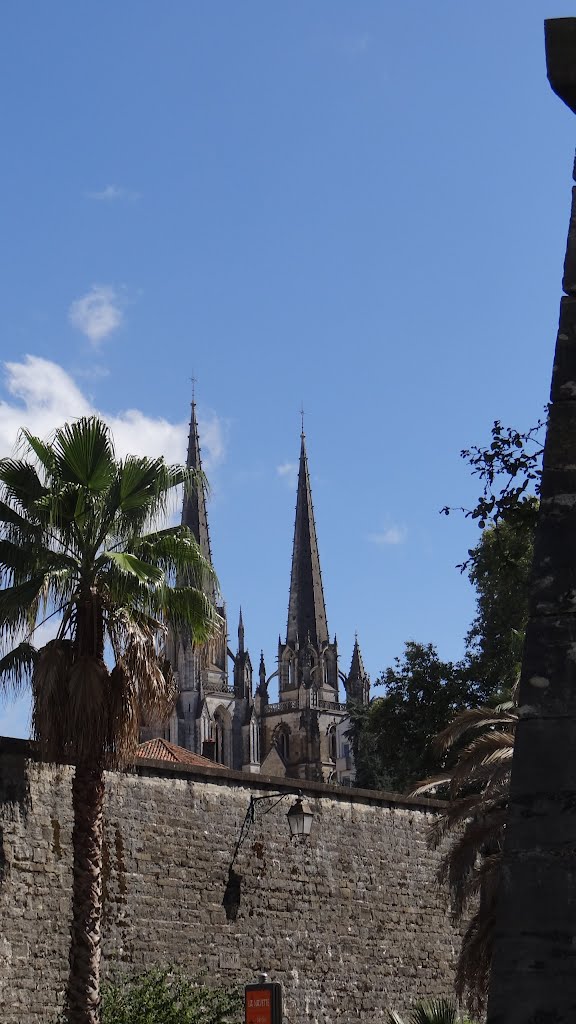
(50,704)
(473,718)
(475,818)
(89,690)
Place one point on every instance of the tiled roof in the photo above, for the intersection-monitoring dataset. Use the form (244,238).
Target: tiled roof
(161,750)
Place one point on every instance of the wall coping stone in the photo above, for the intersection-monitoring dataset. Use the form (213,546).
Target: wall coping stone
(252,781)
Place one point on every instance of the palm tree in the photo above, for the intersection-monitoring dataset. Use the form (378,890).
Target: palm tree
(434,1011)
(77,542)
(475,819)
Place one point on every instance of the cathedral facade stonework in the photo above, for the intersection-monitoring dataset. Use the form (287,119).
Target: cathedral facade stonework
(218,713)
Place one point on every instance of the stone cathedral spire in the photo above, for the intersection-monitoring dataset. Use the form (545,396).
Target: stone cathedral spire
(299,730)
(194,514)
(306,607)
(211,716)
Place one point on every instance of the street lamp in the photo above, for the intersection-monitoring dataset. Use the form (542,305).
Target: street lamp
(299,817)
(299,820)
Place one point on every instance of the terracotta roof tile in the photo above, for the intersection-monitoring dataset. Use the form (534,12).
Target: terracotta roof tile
(161,750)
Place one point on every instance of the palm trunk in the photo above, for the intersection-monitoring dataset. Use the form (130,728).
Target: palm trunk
(83,993)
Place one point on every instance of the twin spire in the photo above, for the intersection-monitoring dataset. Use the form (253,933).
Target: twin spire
(194,507)
(306,607)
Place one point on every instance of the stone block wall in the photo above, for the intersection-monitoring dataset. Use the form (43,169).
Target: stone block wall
(350,924)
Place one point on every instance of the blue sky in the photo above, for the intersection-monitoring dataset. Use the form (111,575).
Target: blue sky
(358,206)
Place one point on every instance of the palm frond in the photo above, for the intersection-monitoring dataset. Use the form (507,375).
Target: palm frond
(131,565)
(17,665)
(15,603)
(83,453)
(50,704)
(43,451)
(471,718)
(20,485)
(434,1011)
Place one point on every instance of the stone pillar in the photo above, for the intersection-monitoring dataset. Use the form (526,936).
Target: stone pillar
(534,965)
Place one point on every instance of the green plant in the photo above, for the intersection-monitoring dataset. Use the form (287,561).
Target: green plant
(79,541)
(433,1011)
(163,995)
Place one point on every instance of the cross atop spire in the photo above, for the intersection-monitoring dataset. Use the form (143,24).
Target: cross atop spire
(194,507)
(306,608)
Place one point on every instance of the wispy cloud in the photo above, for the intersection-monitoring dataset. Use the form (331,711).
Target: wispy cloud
(43,395)
(393,534)
(288,471)
(98,313)
(113,193)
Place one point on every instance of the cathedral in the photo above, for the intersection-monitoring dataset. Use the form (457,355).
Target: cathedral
(219,713)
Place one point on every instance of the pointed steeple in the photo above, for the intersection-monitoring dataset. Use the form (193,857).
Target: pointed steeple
(357,682)
(357,670)
(194,507)
(306,608)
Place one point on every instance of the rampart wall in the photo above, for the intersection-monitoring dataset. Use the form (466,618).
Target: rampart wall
(350,924)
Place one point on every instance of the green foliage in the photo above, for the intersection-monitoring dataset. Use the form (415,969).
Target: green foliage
(166,996)
(433,1011)
(499,568)
(163,995)
(509,469)
(392,736)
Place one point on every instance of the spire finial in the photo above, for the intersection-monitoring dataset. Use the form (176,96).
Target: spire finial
(194,382)
(302,434)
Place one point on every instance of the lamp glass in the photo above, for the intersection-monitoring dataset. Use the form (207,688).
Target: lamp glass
(299,820)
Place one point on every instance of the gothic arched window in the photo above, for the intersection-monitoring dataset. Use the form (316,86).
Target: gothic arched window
(332,742)
(282,737)
(221,736)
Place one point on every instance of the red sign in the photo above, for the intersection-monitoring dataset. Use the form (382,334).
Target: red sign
(259,1006)
(263,1004)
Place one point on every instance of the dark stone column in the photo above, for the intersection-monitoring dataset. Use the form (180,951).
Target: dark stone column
(534,968)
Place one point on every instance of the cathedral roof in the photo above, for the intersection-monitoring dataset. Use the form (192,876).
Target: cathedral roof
(306,608)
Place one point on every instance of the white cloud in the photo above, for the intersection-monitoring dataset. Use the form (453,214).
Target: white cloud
(289,472)
(97,313)
(43,395)
(113,193)
(389,535)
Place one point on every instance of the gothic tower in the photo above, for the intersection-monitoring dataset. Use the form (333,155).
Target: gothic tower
(357,682)
(300,729)
(211,717)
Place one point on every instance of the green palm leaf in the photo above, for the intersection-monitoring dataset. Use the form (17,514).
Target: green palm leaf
(437,1011)
(84,453)
(129,563)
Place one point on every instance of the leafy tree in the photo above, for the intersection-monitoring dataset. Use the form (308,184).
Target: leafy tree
(499,568)
(77,539)
(509,469)
(393,734)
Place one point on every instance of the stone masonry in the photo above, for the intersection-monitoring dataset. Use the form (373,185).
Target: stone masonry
(350,924)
